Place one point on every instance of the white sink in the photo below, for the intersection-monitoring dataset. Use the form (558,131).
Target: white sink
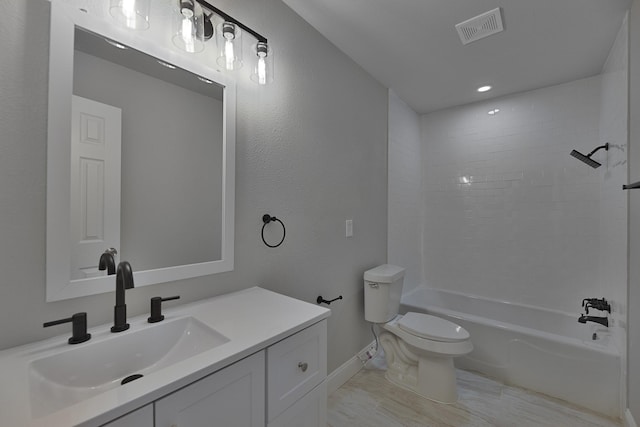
(88,369)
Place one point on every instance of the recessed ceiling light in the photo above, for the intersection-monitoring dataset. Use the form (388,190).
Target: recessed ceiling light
(484,88)
(494,111)
(116,44)
(166,64)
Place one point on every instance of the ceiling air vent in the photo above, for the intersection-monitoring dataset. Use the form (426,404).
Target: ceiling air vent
(481,26)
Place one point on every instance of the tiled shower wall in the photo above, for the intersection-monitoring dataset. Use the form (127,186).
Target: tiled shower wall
(497,207)
(508,214)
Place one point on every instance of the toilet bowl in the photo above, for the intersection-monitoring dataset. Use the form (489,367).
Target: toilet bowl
(419,348)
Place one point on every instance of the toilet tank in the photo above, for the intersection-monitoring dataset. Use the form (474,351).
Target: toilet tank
(382,292)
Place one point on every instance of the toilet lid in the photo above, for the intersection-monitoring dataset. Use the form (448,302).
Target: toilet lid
(432,328)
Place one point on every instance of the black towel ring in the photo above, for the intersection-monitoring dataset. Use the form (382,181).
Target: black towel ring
(266,218)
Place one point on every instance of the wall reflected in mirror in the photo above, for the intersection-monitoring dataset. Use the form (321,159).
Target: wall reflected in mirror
(170,171)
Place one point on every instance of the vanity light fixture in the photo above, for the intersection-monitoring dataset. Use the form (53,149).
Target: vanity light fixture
(133,14)
(193,26)
(484,88)
(229,38)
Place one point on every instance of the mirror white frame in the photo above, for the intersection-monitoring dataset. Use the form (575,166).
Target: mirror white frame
(66,15)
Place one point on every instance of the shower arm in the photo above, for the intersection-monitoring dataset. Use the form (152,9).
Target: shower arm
(605,146)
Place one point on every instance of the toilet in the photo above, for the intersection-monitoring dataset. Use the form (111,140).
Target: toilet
(419,348)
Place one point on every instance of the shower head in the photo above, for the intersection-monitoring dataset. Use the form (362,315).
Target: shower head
(586,158)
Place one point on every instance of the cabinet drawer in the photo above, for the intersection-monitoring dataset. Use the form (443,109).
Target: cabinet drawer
(295,366)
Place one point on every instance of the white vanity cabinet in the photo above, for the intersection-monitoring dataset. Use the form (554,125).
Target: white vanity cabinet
(231,397)
(245,359)
(283,385)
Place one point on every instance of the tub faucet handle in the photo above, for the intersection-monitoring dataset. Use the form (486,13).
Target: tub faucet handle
(598,304)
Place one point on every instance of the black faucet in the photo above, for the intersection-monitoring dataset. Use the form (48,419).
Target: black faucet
(124,280)
(604,321)
(108,261)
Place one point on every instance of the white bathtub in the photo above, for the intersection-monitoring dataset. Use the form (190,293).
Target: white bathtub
(543,350)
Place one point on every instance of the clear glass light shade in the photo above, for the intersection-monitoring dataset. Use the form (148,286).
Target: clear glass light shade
(263,64)
(188,27)
(133,14)
(229,39)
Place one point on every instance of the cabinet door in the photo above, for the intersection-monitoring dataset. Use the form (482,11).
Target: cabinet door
(310,411)
(295,366)
(142,417)
(231,397)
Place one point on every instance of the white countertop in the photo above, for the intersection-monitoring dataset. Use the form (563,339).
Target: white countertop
(252,319)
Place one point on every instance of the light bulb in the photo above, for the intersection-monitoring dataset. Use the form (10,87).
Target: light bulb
(187,35)
(229,46)
(262,71)
(228,53)
(129,12)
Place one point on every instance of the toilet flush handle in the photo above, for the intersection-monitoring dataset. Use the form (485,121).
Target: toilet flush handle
(374,285)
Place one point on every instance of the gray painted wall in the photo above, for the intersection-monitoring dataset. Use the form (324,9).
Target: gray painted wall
(311,149)
(633,300)
(171,201)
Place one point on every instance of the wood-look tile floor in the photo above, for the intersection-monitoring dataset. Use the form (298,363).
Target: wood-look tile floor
(369,400)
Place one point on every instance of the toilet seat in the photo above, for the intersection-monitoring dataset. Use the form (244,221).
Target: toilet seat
(432,328)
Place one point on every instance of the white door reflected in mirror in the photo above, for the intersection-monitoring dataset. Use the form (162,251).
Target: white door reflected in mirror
(95,183)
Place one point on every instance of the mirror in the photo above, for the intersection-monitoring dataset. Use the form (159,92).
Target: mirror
(140,156)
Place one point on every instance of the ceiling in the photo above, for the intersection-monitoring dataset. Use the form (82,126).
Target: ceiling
(412,46)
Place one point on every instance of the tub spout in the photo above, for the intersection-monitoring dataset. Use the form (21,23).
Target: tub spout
(604,321)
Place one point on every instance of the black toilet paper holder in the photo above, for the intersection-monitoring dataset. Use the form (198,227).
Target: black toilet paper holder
(321,300)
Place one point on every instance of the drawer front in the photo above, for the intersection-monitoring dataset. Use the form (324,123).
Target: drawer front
(295,366)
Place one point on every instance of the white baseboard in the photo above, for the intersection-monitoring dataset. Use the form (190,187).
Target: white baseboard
(628,419)
(348,369)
